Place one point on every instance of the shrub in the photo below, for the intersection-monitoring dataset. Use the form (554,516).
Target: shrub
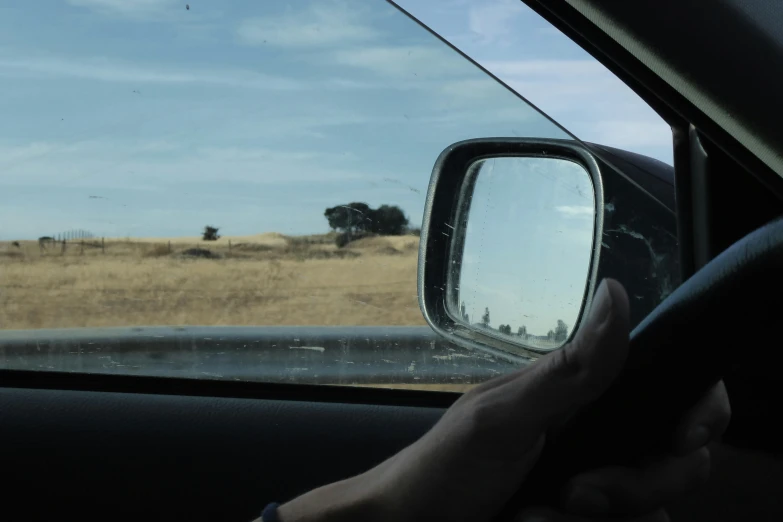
(157,251)
(200,252)
(342,239)
(210,233)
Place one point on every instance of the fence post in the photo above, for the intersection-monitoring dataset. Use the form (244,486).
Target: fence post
(62,252)
(103,245)
(81,252)
(229,245)
(169,247)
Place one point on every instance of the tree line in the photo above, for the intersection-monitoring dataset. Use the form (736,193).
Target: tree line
(353,221)
(559,333)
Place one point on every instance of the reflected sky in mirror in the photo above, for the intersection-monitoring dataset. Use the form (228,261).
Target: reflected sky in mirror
(528,245)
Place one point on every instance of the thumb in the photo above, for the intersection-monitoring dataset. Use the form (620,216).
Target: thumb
(577,374)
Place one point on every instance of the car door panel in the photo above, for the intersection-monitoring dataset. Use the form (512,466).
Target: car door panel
(109,455)
(130,456)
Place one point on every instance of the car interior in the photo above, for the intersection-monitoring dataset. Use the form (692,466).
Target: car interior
(85,444)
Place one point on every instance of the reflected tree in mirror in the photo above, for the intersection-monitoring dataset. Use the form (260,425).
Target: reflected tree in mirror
(525,255)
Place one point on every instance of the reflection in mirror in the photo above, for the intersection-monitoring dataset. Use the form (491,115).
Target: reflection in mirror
(525,259)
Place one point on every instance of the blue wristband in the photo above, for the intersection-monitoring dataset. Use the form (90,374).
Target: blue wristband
(269,514)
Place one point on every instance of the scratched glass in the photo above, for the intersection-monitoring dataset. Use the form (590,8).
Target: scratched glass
(529,226)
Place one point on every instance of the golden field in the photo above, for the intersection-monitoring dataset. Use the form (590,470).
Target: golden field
(266,279)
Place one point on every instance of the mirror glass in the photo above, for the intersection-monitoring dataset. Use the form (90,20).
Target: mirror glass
(522,267)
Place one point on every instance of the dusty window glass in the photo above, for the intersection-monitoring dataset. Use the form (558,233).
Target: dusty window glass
(233,190)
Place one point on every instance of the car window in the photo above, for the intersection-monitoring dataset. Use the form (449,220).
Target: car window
(234,190)
(514,43)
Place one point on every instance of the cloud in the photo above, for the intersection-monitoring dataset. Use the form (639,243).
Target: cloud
(547,69)
(405,62)
(471,89)
(631,134)
(105,70)
(589,101)
(492,21)
(155,165)
(576,211)
(322,24)
(193,184)
(12,155)
(128,7)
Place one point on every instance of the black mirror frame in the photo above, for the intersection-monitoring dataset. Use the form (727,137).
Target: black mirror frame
(439,237)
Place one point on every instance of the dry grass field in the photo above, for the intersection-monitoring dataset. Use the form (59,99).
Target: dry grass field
(266,279)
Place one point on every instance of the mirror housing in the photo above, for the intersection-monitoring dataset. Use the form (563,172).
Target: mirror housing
(443,240)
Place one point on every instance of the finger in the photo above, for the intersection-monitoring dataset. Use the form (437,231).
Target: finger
(705,422)
(627,490)
(548,515)
(577,374)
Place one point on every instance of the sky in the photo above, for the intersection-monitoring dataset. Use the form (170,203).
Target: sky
(141,118)
(528,243)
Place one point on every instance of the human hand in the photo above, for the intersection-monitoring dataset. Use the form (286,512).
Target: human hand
(613,490)
(477,456)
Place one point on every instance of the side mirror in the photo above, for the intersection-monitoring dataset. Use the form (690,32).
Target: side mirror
(510,244)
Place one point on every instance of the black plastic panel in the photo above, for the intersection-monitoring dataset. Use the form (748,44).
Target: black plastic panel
(67,455)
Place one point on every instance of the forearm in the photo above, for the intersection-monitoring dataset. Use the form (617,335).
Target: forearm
(354,499)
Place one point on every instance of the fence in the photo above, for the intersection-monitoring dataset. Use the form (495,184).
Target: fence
(68,235)
(50,245)
(81,241)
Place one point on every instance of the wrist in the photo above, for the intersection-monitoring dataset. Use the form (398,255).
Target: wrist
(356,499)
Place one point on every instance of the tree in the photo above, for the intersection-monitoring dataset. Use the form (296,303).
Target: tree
(505,329)
(464,313)
(359,218)
(388,220)
(522,331)
(485,318)
(350,219)
(561,331)
(210,233)
(550,335)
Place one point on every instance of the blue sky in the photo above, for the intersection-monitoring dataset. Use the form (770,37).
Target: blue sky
(256,116)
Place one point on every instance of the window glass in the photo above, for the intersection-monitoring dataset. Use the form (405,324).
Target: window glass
(233,190)
(552,72)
